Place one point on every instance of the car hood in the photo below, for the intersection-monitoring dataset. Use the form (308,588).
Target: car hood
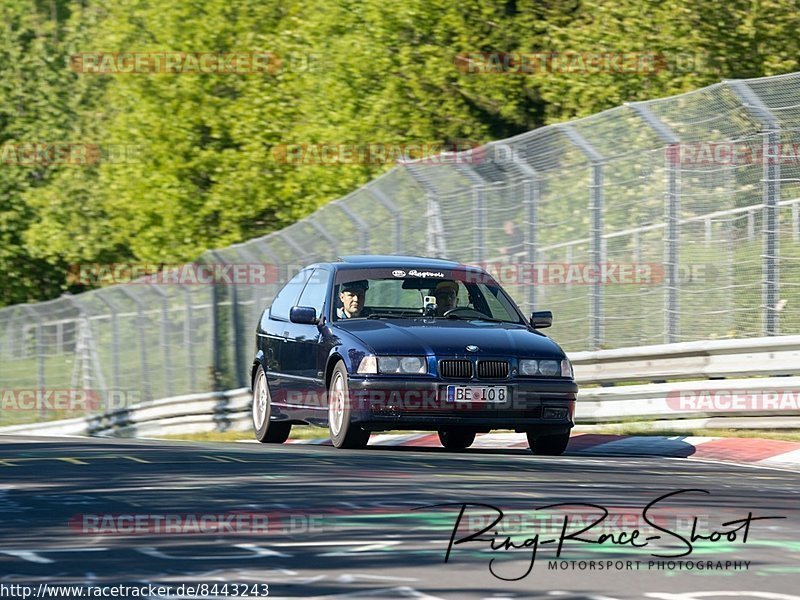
(450,337)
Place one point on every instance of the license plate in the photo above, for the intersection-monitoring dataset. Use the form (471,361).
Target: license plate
(471,393)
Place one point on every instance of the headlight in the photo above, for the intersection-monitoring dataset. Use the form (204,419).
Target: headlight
(368,365)
(528,367)
(549,368)
(545,368)
(566,368)
(402,365)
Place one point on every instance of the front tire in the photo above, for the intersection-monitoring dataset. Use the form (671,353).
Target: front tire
(344,434)
(456,439)
(267,432)
(548,445)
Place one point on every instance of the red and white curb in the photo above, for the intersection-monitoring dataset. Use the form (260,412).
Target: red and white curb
(754,451)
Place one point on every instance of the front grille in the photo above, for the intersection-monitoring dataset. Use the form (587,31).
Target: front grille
(492,369)
(455,369)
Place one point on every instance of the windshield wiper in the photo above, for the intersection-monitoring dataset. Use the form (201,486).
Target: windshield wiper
(387,316)
(474,318)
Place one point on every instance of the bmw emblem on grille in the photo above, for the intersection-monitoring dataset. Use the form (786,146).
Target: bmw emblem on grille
(472,348)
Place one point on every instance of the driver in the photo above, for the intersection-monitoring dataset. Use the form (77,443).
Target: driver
(352,295)
(446,293)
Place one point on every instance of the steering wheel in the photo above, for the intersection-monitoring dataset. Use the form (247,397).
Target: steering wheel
(466,311)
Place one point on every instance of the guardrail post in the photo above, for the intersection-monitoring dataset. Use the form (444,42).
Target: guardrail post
(596,210)
(771,195)
(672,200)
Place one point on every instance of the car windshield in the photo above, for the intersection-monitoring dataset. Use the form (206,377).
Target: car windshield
(362,295)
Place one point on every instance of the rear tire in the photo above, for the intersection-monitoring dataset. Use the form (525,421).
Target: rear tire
(267,432)
(456,439)
(344,434)
(548,445)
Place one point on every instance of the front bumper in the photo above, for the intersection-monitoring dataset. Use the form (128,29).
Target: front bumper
(544,406)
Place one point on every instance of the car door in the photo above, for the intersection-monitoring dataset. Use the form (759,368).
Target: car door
(306,351)
(273,335)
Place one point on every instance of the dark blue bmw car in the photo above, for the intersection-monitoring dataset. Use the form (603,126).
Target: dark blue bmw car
(376,343)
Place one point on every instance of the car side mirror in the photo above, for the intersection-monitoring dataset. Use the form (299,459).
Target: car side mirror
(541,319)
(306,315)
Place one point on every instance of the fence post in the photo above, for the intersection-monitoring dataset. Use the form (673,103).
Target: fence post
(297,248)
(771,192)
(114,338)
(334,253)
(215,338)
(672,200)
(531,198)
(478,186)
(235,324)
(147,390)
(436,244)
(187,336)
(397,216)
(163,340)
(361,225)
(596,210)
(40,371)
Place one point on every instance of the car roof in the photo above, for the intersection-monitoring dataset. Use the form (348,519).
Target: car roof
(389,260)
(366,261)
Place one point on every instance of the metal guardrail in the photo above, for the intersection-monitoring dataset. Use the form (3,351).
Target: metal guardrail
(192,413)
(764,373)
(774,356)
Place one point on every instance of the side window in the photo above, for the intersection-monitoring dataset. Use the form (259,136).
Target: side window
(287,297)
(316,291)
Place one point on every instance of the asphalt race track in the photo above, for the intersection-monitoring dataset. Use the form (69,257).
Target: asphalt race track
(316,522)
